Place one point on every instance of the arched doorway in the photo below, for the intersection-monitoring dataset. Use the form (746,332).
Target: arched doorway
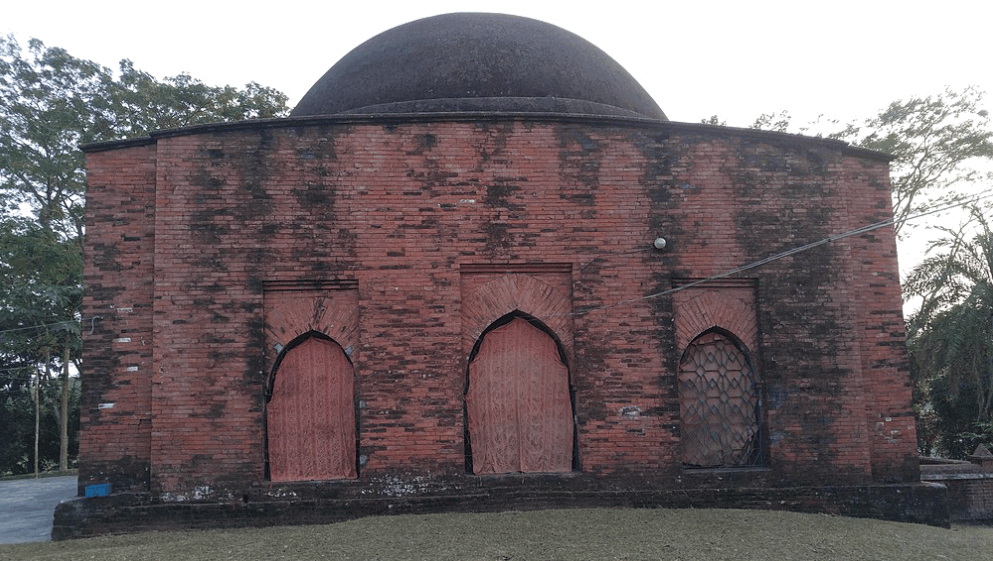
(719,403)
(310,414)
(518,402)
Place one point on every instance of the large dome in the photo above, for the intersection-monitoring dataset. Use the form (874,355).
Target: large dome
(478,62)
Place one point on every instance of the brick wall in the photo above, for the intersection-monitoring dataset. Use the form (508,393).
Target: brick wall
(876,293)
(115,407)
(970,487)
(438,228)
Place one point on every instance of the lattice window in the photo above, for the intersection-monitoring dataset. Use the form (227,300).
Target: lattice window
(719,404)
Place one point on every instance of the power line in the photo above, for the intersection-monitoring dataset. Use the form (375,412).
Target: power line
(39,326)
(865,229)
(982,195)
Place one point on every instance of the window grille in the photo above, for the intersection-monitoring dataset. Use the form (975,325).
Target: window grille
(719,404)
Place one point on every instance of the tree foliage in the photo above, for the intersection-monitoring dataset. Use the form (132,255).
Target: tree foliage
(778,122)
(937,141)
(940,144)
(951,338)
(50,104)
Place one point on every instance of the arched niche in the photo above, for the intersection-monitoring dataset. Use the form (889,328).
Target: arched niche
(719,403)
(310,412)
(519,402)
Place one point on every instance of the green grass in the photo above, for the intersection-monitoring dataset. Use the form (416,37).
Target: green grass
(594,534)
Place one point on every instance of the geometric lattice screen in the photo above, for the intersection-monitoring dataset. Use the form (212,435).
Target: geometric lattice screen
(719,404)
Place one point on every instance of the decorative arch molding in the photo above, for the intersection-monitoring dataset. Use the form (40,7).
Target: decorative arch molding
(519,404)
(727,304)
(293,309)
(502,294)
(283,351)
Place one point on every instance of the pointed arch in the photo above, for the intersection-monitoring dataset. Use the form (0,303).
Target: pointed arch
(727,304)
(519,405)
(310,412)
(511,293)
(719,403)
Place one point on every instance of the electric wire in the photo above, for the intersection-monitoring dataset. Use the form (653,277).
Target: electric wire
(982,195)
(731,272)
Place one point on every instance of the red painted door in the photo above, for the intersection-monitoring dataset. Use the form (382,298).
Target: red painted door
(518,405)
(311,416)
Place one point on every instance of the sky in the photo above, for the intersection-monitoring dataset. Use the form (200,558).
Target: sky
(842,59)
(738,60)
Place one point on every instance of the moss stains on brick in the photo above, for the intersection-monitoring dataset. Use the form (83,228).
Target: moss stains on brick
(187,233)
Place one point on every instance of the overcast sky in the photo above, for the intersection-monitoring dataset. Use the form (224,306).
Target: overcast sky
(738,59)
(843,59)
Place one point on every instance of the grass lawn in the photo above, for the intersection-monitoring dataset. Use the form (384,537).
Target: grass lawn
(595,534)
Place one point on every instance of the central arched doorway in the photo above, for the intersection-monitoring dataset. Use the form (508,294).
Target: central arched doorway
(518,402)
(310,413)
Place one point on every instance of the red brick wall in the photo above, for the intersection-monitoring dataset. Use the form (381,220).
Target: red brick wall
(876,293)
(421,217)
(117,311)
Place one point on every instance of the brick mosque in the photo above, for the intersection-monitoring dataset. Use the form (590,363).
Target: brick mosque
(478,268)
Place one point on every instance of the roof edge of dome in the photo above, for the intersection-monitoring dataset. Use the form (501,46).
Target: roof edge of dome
(490,105)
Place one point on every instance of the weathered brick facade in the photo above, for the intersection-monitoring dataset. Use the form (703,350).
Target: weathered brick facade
(403,238)
(445,256)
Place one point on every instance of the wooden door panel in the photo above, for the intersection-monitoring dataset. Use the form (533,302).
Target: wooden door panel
(518,404)
(311,416)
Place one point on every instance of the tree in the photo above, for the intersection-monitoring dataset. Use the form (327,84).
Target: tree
(41,291)
(937,141)
(773,122)
(714,120)
(139,104)
(50,103)
(940,144)
(951,336)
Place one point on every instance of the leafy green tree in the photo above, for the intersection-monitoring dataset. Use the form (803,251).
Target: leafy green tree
(45,112)
(50,103)
(40,294)
(951,337)
(139,104)
(941,144)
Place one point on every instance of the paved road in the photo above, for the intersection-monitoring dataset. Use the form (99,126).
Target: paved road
(27,507)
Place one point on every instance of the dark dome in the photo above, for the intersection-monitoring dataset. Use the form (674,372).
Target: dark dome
(477,62)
